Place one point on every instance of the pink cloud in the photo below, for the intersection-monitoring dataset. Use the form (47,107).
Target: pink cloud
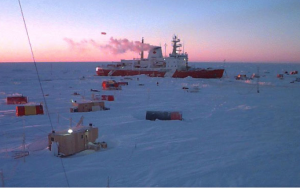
(81,46)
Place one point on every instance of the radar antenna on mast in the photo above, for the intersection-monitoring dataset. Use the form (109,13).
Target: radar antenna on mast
(175,45)
(257,79)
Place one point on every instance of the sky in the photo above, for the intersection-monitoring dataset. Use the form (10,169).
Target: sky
(230,135)
(211,30)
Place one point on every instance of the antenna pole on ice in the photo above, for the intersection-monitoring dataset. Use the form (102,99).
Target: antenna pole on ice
(23,144)
(224,67)
(23,153)
(165,49)
(108,181)
(46,106)
(2,178)
(257,84)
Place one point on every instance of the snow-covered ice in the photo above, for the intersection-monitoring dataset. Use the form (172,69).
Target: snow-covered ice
(230,135)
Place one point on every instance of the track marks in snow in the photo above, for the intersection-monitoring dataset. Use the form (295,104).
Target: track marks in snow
(242,107)
(8,113)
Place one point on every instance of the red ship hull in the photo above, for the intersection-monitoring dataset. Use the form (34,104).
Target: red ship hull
(106,72)
(198,73)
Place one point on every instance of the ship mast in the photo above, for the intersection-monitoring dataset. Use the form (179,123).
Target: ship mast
(165,49)
(175,45)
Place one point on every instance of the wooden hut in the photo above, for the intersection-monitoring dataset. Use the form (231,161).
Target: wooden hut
(241,77)
(103,97)
(111,85)
(16,99)
(66,143)
(280,76)
(88,106)
(107,97)
(123,83)
(294,72)
(29,110)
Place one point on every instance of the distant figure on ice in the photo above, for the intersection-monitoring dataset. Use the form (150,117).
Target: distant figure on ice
(157,83)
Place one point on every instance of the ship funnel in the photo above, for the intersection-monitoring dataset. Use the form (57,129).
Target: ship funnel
(155,52)
(142,52)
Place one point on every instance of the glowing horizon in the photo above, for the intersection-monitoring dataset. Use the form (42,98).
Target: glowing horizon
(211,31)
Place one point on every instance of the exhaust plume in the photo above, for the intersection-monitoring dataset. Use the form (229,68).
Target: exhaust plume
(114,46)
